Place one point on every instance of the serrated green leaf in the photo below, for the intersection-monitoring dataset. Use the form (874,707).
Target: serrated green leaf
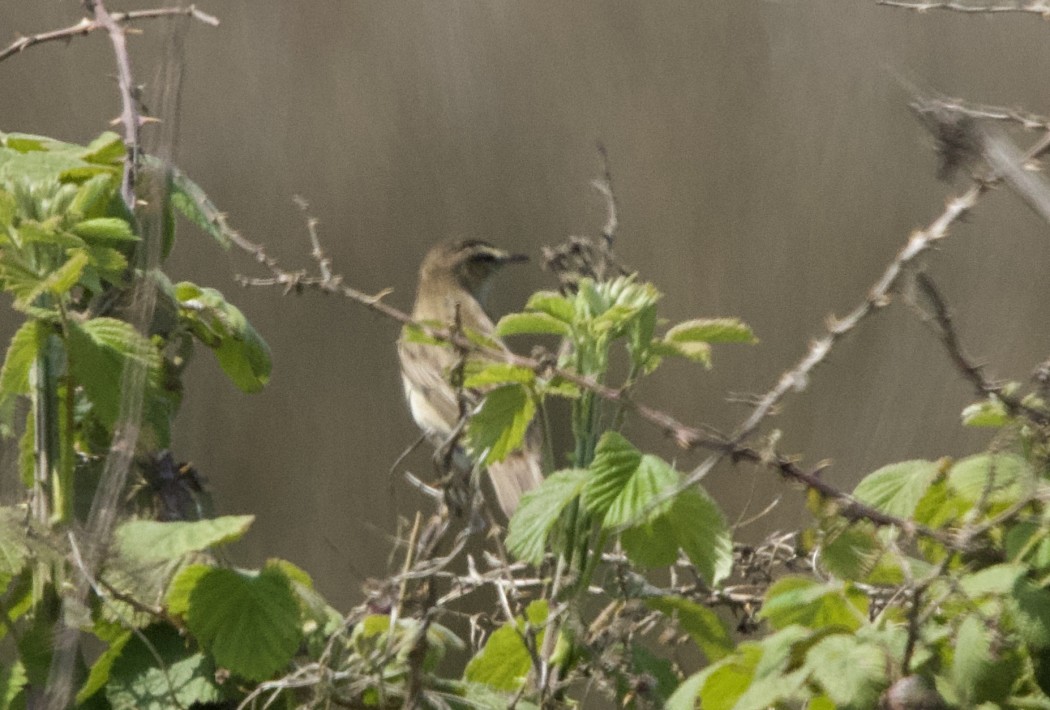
(60,281)
(702,624)
(26,344)
(538,512)
(482,374)
(685,696)
(536,323)
(98,676)
(189,199)
(48,232)
(993,478)
(105,230)
(182,678)
(981,672)
(93,197)
(504,661)
(852,673)
(249,621)
(182,586)
(13,545)
(989,413)
(653,543)
(107,149)
(12,679)
(727,680)
(698,352)
(703,533)
(553,304)
(615,461)
(499,425)
(711,330)
(814,605)
(150,540)
(851,552)
(651,479)
(99,350)
(896,489)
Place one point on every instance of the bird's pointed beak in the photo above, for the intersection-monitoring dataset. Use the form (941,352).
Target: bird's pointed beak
(508,258)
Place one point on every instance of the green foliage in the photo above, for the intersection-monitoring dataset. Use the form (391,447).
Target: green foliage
(505,661)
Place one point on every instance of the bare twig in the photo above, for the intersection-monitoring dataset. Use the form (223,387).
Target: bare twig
(1036,7)
(89,24)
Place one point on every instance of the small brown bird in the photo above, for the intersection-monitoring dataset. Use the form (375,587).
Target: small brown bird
(458,274)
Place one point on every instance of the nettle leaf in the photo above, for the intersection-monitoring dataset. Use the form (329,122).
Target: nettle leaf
(504,662)
(815,605)
(105,230)
(181,677)
(150,540)
(993,478)
(702,624)
(538,512)
(249,621)
(481,374)
(537,323)
(27,342)
(552,304)
(896,489)
(711,330)
(498,427)
(99,350)
(701,530)
(851,672)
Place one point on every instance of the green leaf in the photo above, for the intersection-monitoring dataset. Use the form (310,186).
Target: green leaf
(107,149)
(552,304)
(727,680)
(14,548)
(242,353)
(653,543)
(182,586)
(26,344)
(189,199)
(482,374)
(150,540)
(694,352)
(8,210)
(702,624)
(988,413)
(12,679)
(615,461)
(93,197)
(686,694)
(60,281)
(99,674)
(104,230)
(499,426)
(540,509)
(982,669)
(249,621)
(99,350)
(851,550)
(897,489)
(711,330)
(994,478)
(851,672)
(181,678)
(703,533)
(803,601)
(504,661)
(537,323)
(538,512)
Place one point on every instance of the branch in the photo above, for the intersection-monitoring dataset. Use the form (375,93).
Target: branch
(88,25)
(1036,7)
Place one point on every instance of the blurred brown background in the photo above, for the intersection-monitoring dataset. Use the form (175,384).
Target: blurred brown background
(766,167)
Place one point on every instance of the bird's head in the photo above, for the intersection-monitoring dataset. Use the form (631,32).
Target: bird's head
(466,264)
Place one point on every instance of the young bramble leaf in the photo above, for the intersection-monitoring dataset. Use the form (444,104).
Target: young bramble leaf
(26,343)
(104,230)
(988,413)
(482,374)
(552,304)
(107,149)
(180,677)
(538,512)
(701,530)
(537,323)
(624,481)
(504,662)
(499,425)
(711,330)
(151,540)
(814,605)
(695,352)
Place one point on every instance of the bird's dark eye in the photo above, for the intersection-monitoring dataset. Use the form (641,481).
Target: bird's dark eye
(483,257)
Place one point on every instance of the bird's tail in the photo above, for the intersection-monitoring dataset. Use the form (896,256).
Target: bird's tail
(514,476)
